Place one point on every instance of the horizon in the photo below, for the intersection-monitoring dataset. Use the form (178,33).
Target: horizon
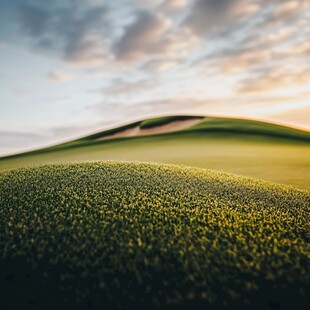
(71,68)
(85,135)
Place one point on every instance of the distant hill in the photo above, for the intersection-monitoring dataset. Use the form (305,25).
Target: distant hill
(164,125)
(251,148)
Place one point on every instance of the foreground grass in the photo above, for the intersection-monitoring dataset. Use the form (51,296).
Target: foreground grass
(118,235)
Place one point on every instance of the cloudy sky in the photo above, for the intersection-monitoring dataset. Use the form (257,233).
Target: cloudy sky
(71,67)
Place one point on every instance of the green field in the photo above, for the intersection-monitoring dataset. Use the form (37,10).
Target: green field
(255,149)
(110,235)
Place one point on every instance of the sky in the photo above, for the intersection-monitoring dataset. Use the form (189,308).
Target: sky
(73,67)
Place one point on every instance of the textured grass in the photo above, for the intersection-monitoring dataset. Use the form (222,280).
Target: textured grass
(116,235)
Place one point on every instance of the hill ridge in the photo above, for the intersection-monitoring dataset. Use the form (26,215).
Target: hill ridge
(273,130)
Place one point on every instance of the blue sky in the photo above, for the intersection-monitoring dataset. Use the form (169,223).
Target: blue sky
(71,67)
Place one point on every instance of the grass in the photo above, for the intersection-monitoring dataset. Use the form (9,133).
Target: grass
(120,235)
(251,128)
(254,149)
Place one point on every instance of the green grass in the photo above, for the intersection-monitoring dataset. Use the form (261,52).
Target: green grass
(109,235)
(254,149)
(249,127)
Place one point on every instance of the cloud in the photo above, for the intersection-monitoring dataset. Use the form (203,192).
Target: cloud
(11,141)
(247,8)
(59,76)
(281,35)
(121,87)
(278,14)
(207,16)
(72,132)
(160,65)
(243,61)
(93,3)
(273,49)
(298,50)
(149,3)
(8,135)
(275,78)
(85,42)
(275,46)
(76,29)
(143,37)
(87,50)
(288,9)
(152,36)
(89,34)
(140,109)
(271,36)
(299,116)
(257,105)
(34,20)
(170,6)
(93,32)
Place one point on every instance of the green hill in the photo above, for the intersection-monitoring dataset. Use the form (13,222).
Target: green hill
(250,148)
(142,236)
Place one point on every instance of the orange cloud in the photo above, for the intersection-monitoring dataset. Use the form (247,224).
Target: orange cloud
(173,5)
(152,35)
(59,76)
(297,117)
(161,65)
(290,8)
(274,79)
(244,61)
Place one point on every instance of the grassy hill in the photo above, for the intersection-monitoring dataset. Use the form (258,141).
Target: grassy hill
(250,148)
(142,236)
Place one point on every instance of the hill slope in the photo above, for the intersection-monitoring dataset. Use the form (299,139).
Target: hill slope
(250,148)
(111,234)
